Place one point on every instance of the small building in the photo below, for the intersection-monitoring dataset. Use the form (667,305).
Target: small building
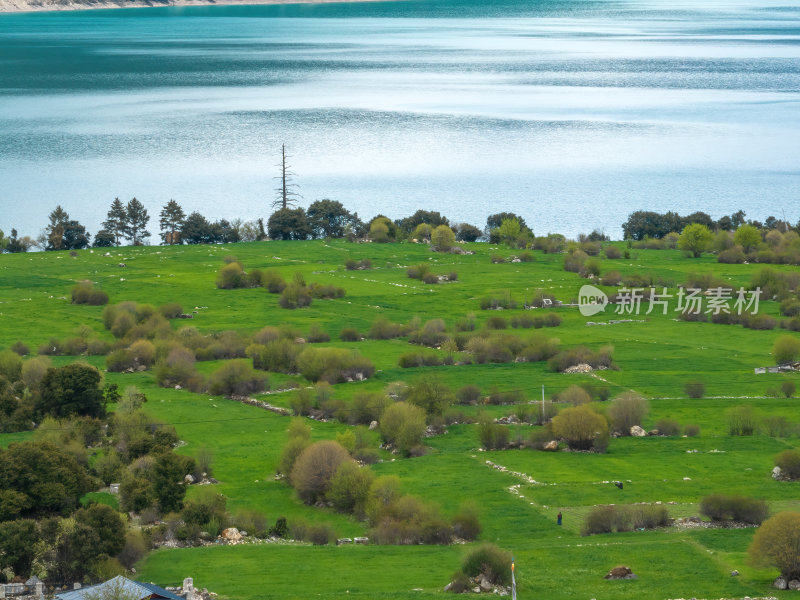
(119,588)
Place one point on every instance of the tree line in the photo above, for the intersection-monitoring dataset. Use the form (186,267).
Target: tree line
(128,223)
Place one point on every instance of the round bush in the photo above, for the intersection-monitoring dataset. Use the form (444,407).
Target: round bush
(777,544)
(789,462)
(314,468)
(490,561)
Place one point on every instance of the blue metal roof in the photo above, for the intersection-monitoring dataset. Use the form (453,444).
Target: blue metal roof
(134,590)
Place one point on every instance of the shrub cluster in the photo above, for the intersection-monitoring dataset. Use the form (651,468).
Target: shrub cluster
(600,359)
(624,517)
(358,265)
(85,293)
(724,507)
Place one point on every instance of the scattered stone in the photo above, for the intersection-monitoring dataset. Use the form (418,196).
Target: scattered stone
(794,584)
(734,573)
(361,540)
(780,583)
(776,473)
(122,265)
(343,541)
(637,431)
(621,572)
(189,478)
(231,534)
(654,432)
(552,446)
(581,368)
(373,425)
(486,585)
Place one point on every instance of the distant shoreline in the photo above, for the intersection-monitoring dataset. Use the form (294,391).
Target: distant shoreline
(20,6)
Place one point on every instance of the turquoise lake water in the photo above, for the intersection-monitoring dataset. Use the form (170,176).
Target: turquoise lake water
(571,113)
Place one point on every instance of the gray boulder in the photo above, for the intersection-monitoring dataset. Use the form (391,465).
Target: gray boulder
(780,583)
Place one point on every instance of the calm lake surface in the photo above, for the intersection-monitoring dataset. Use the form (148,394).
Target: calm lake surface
(571,113)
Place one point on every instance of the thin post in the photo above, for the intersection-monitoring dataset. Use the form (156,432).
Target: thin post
(513,582)
(542,404)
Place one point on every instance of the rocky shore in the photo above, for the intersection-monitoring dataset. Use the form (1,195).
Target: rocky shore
(10,6)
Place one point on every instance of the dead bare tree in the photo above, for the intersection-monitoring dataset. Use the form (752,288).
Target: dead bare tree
(287,196)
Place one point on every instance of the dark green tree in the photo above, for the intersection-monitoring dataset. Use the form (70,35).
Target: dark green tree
(104,239)
(467,233)
(16,244)
(496,220)
(432,218)
(328,218)
(71,390)
(196,230)
(107,524)
(288,224)
(116,219)
(49,479)
(168,473)
(136,219)
(17,545)
(75,236)
(171,221)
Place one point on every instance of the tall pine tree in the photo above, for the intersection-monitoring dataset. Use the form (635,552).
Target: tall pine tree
(55,229)
(171,222)
(116,219)
(135,222)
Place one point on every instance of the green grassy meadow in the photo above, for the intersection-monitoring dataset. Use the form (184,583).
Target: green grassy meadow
(656,357)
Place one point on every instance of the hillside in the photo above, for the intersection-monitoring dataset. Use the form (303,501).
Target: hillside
(519,491)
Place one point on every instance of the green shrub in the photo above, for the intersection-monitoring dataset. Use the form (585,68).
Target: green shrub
(294,296)
(468,394)
(626,410)
(316,335)
(776,544)
(278,355)
(788,388)
(579,426)
(466,522)
(668,427)
(741,420)
(334,365)
(403,425)
(383,329)
(348,334)
(492,436)
(273,282)
(231,276)
(85,293)
(349,488)
(314,467)
(691,430)
(237,378)
(574,395)
(496,323)
(624,517)
(460,583)
(777,426)
(694,388)
(789,462)
(120,360)
(490,561)
(786,349)
(723,507)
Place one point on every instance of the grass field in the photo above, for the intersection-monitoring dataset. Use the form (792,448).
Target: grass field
(655,357)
